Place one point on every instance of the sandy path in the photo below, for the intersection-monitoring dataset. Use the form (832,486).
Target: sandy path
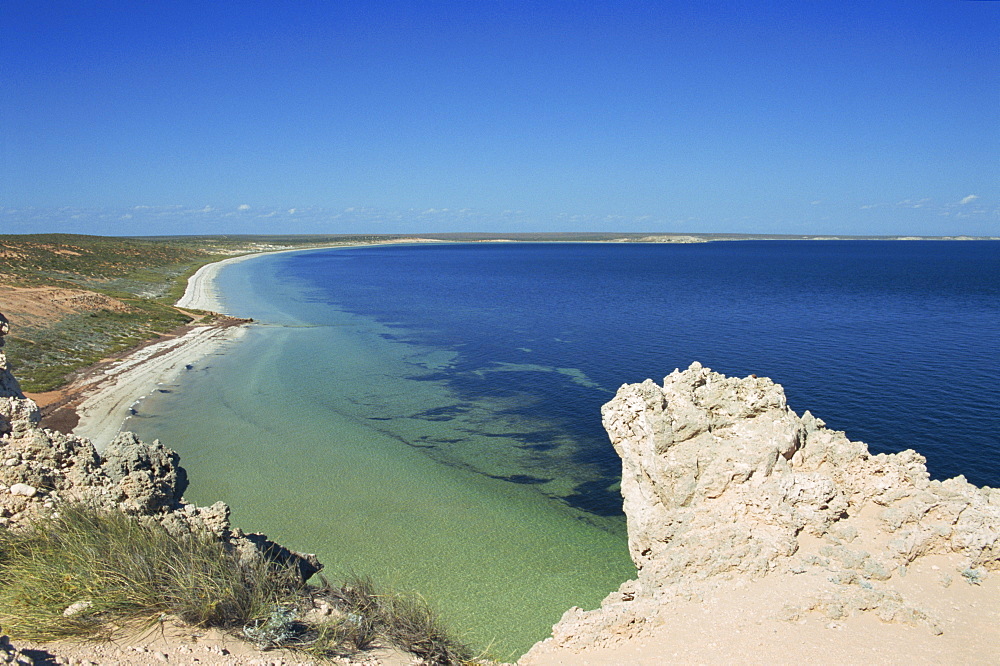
(748,622)
(174,643)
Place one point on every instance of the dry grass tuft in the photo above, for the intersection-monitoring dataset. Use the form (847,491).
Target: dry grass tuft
(88,570)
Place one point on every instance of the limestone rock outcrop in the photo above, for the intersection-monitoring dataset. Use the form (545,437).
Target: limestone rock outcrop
(15,410)
(146,476)
(724,484)
(41,469)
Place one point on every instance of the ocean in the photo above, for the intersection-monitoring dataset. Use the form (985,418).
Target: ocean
(430,414)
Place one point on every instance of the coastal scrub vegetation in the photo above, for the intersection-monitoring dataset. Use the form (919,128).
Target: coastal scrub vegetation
(136,281)
(81,572)
(404,620)
(85,571)
(45,354)
(77,299)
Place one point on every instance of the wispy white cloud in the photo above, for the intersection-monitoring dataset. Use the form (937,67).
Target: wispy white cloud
(911,203)
(243,207)
(974,217)
(969,199)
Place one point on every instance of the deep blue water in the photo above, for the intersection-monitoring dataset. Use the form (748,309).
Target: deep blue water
(895,343)
(430,415)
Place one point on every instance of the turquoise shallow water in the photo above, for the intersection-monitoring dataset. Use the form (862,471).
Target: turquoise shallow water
(431,415)
(306,431)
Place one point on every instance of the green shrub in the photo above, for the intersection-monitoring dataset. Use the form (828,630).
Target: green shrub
(404,620)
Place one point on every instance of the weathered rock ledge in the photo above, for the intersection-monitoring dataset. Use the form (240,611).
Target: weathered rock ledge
(726,489)
(41,468)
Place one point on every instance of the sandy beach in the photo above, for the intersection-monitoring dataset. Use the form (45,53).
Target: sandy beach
(201,293)
(110,394)
(103,399)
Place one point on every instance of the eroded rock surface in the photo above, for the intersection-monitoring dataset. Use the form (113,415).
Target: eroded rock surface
(40,469)
(724,484)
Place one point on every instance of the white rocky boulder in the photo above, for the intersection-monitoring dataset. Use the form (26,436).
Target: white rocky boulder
(724,485)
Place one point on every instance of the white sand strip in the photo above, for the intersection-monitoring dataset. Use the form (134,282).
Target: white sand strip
(201,293)
(116,391)
(110,396)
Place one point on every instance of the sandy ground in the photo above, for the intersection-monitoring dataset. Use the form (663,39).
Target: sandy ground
(35,306)
(111,393)
(103,399)
(201,293)
(98,403)
(741,622)
(172,643)
(747,623)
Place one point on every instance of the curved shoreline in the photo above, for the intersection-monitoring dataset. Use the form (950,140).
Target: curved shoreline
(108,394)
(201,294)
(111,393)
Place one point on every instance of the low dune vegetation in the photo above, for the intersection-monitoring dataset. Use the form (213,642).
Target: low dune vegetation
(77,299)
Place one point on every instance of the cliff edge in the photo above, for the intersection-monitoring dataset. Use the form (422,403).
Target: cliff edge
(758,534)
(43,473)
(41,468)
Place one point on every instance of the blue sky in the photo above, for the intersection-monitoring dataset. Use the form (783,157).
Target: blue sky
(482,115)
